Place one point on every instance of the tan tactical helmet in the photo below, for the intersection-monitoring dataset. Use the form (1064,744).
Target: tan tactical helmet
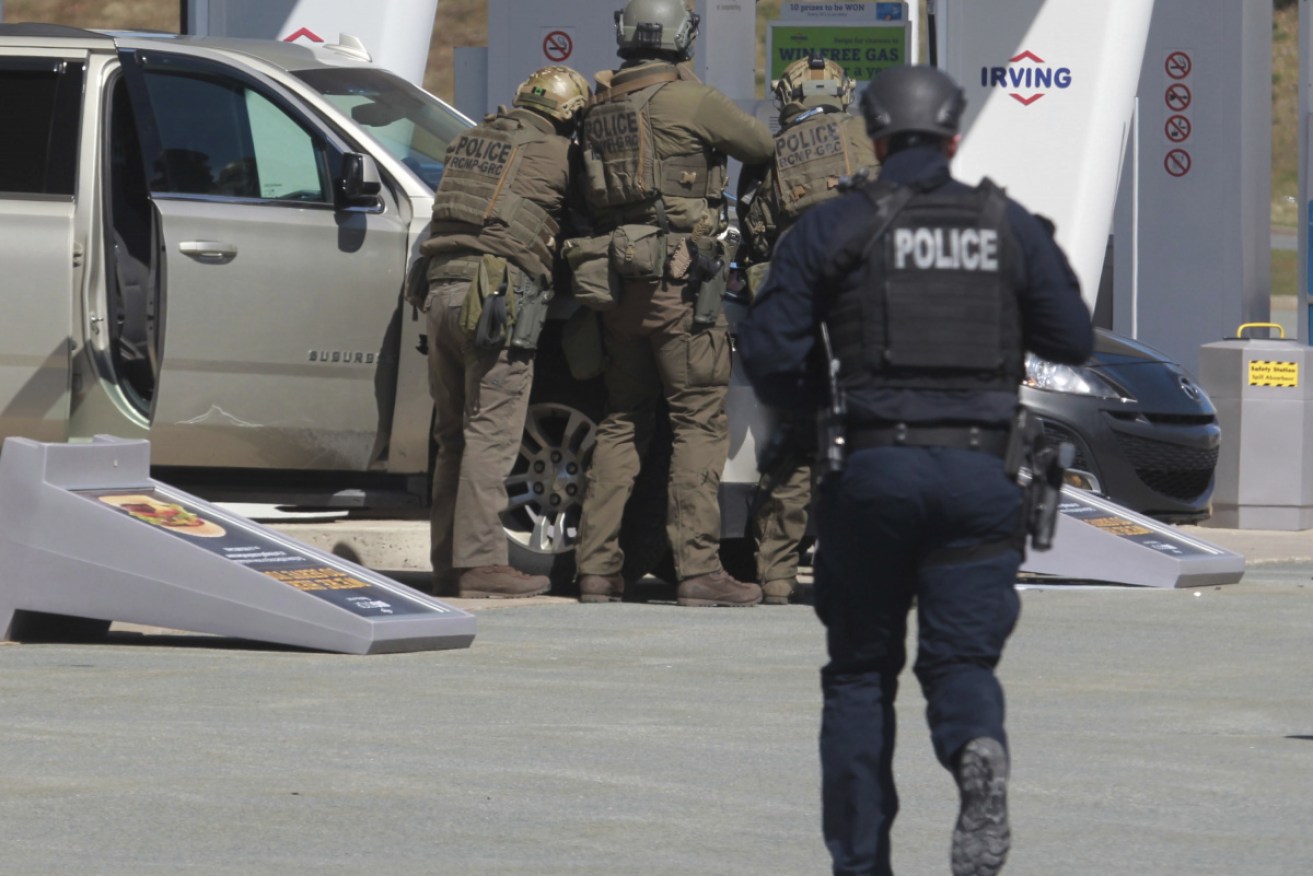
(813,81)
(554,91)
(646,26)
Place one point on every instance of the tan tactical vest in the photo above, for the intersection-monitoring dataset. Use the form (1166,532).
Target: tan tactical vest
(475,189)
(619,145)
(810,159)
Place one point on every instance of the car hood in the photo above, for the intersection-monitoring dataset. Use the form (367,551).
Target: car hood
(1111,348)
(1154,381)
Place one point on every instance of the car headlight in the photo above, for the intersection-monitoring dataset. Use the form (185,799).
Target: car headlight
(1075,379)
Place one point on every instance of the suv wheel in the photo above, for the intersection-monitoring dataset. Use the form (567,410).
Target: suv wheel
(545,490)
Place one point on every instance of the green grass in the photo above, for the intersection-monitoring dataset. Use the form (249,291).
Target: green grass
(1285,120)
(1285,272)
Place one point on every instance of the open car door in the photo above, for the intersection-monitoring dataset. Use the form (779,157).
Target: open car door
(277,287)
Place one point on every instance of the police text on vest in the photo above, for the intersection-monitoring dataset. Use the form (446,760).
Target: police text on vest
(947,249)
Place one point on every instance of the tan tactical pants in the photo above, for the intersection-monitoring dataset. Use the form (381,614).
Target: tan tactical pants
(780,524)
(480,400)
(652,351)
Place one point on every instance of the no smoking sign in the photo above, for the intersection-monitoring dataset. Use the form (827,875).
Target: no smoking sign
(1178,65)
(1178,98)
(1178,162)
(558,46)
(1178,129)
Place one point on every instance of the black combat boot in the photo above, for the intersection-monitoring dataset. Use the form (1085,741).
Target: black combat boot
(981,837)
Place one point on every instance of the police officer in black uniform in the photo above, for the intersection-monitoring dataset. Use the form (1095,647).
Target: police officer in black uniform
(931,291)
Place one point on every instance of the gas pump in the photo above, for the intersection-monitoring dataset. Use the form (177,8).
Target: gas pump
(1050,95)
(1157,108)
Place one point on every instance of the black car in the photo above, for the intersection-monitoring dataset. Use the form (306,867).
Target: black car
(1146,435)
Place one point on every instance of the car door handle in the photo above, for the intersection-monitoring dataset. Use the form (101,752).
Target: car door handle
(208,250)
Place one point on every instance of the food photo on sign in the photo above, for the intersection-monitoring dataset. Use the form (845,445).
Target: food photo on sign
(168,515)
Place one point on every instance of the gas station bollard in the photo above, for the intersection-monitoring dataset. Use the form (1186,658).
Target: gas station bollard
(1264,399)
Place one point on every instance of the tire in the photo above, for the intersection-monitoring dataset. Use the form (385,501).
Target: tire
(545,486)
(545,491)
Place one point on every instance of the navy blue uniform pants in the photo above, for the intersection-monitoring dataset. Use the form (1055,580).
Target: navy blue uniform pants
(903,523)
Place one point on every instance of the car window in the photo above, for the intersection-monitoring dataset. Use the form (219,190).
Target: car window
(39,118)
(286,161)
(220,137)
(411,124)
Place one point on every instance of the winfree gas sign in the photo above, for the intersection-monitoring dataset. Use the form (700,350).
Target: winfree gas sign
(863,50)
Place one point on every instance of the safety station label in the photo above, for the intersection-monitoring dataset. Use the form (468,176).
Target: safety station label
(1266,372)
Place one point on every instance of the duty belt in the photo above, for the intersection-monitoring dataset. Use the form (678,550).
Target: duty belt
(987,439)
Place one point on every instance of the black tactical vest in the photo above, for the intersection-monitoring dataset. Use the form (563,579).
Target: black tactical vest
(936,307)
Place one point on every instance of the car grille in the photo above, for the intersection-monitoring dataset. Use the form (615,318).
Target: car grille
(1166,419)
(1174,470)
(1056,433)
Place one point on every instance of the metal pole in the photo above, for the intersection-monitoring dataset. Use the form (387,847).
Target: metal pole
(194,17)
(932,36)
(1305,107)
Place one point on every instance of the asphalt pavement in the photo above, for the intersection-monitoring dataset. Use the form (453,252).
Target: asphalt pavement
(1154,732)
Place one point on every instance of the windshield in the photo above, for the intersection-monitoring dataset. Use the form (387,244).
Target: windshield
(409,123)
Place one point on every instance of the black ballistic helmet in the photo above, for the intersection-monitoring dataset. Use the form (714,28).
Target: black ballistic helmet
(923,100)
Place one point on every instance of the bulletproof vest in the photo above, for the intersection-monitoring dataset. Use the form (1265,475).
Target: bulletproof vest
(810,159)
(475,189)
(936,303)
(619,146)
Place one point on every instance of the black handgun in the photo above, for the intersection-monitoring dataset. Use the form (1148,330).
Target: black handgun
(1048,466)
(832,424)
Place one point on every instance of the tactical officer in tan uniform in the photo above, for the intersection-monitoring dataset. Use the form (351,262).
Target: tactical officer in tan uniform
(655,142)
(496,219)
(818,145)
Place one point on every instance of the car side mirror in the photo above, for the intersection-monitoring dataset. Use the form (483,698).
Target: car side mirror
(360,182)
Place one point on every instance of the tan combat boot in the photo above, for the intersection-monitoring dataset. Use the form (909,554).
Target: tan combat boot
(601,588)
(777,592)
(501,582)
(717,588)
